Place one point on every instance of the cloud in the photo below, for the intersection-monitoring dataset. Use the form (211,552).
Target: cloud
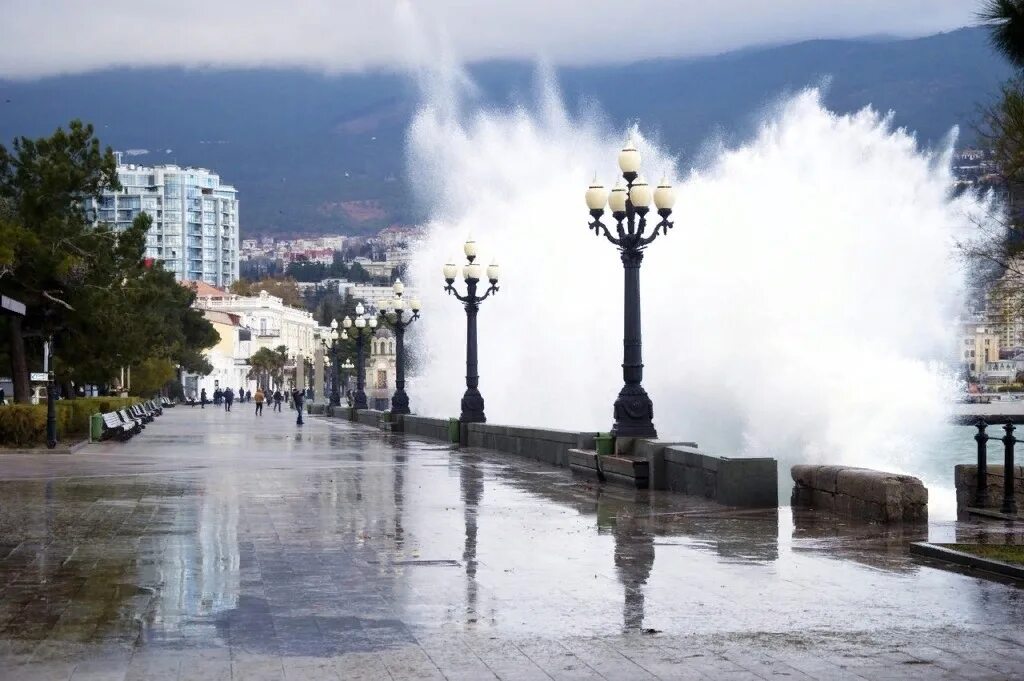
(47,37)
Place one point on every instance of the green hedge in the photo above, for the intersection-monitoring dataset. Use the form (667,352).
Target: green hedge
(24,425)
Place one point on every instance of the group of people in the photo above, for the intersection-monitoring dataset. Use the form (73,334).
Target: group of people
(278,398)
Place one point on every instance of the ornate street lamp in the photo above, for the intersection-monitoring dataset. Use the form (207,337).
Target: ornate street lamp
(472,400)
(629,205)
(393,316)
(363,328)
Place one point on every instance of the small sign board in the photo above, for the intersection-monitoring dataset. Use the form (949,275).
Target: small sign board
(39,376)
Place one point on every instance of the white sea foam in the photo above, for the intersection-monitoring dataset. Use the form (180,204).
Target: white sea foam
(802,307)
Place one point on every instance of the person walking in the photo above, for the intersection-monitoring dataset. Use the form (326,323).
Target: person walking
(297,401)
(259,396)
(3,396)
(241,395)
(278,397)
(202,398)
(229,397)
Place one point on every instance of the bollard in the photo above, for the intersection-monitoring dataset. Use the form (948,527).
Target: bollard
(1009,503)
(981,493)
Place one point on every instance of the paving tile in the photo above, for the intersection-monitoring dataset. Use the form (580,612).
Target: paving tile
(207,548)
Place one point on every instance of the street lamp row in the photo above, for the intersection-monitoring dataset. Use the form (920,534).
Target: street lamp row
(629,205)
(363,328)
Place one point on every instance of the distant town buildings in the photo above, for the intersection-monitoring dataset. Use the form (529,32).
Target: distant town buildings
(195,218)
(978,347)
(383,257)
(975,168)
(381,370)
(246,324)
(376,296)
(315,249)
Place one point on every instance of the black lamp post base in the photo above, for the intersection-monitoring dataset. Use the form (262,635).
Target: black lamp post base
(359,400)
(335,399)
(634,413)
(400,403)
(472,407)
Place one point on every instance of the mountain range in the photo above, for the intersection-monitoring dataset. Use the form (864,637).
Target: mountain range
(313,153)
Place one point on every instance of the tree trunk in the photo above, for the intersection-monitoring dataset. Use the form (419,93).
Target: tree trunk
(19,364)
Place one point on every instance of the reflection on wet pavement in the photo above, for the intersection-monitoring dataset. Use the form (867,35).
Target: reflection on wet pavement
(211,548)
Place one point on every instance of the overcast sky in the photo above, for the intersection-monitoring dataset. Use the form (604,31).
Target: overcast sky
(46,37)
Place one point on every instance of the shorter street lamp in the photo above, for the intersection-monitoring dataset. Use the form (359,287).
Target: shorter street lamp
(346,369)
(472,400)
(333,349)
(392,315)
(364,327)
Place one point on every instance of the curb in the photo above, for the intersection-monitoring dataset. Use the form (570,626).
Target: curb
(942,553)
(56,451)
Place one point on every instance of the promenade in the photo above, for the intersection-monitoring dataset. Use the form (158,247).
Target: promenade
(221,546)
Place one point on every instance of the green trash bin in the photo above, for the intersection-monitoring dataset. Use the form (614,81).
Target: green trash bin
(453,431)
(604,443)
(96,427)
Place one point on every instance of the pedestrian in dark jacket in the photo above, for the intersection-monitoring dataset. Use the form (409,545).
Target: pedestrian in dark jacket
(297,401)
(278,397)
(229,397)
(202,399)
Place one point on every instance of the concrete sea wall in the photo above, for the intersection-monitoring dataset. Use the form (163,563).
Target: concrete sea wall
(421,426)
(549,446)
(752,483)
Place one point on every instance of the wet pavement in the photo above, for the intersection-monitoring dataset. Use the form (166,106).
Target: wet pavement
(226,546)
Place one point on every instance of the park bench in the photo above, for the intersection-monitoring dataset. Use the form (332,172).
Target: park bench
(132,423)
(155,406)
(137,413)
(113,427)
(166,402)
(148,411)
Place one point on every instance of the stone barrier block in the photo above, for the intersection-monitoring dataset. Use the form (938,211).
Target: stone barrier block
(860,493)
(628,472)
(965,479)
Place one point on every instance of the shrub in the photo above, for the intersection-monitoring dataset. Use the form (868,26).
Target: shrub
(24,425)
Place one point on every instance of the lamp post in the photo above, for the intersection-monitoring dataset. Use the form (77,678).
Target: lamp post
(335,364)
(629,205)
(363,328)
(393,316)
(51,407)
(472,400)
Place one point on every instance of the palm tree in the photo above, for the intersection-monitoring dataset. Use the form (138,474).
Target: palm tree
(1005,21)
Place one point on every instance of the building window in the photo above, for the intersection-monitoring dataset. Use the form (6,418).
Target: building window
(382,378)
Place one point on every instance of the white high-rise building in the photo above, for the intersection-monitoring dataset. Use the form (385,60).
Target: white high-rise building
(195,219)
